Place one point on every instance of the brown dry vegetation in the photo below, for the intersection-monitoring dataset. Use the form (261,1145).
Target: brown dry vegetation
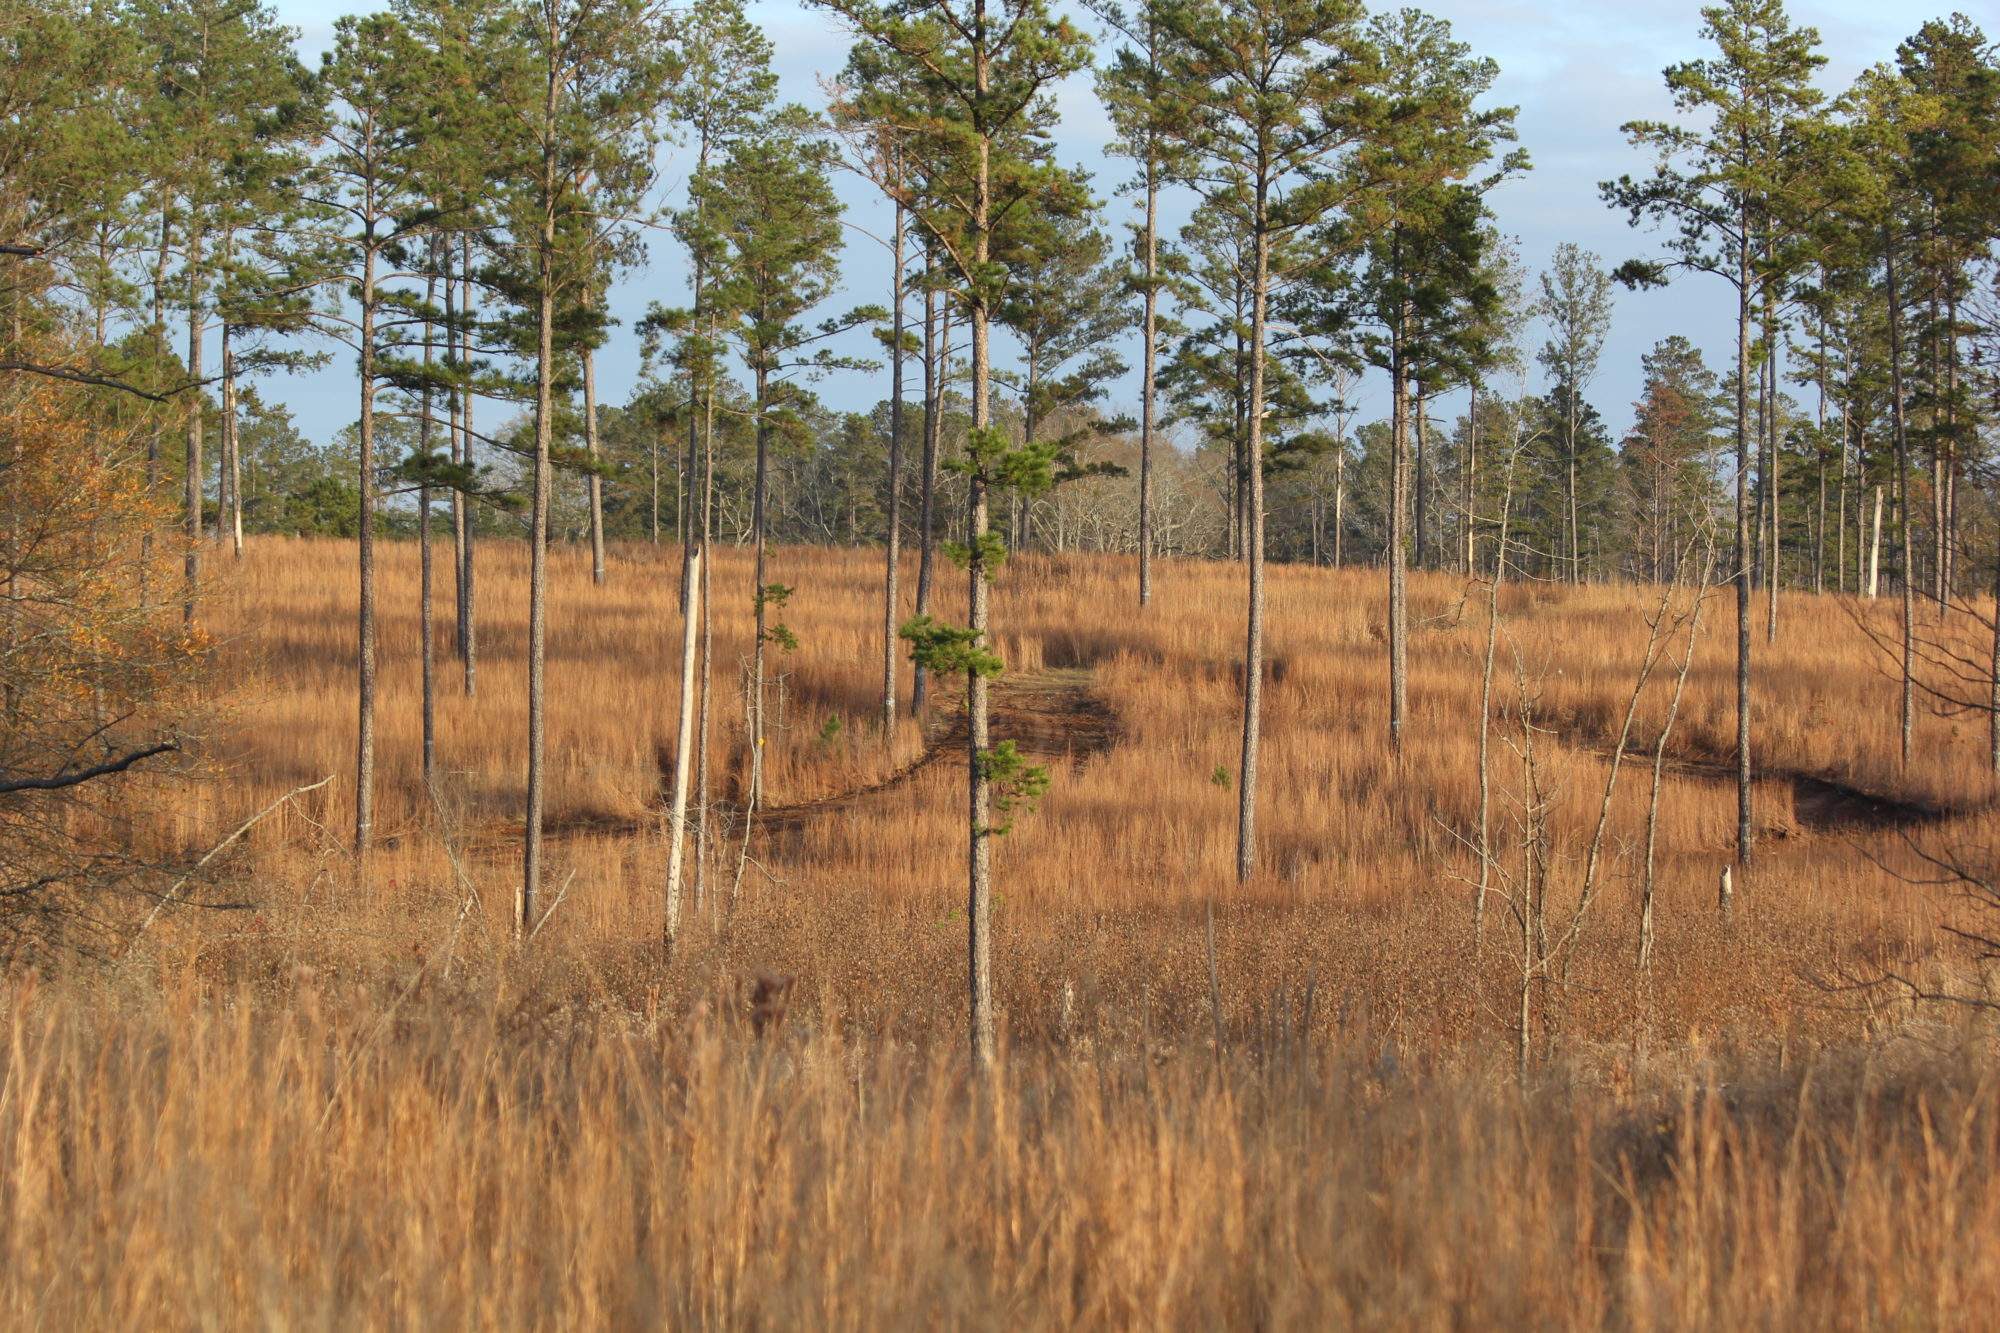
(358,1102)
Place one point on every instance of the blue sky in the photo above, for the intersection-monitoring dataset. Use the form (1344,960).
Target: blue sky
(1577,69)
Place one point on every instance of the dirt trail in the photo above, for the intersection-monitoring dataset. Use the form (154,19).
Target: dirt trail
(1051,714)
(1822,805)
(1056,714)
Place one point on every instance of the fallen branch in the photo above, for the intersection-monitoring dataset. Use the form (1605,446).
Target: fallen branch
(561,894)
(216,851)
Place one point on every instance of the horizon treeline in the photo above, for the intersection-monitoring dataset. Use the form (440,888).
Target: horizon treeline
(178,171)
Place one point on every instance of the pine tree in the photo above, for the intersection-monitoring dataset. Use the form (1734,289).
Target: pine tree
(1270,98)
(1134,89)
(1711,188)
(468,61)
(1409,250)
(368,181)
(725,88)
(978,156)
(876,151)
(1576,307)
(224,82)
(771,202)
(600,74)
(1950,141)
(71,174)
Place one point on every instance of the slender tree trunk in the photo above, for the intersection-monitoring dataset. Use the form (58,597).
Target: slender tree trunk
(468,587)
(1776,572)
(1840,503)
(1238,529)
(1760,526)
(1398,553)
(979,859)
(1953,462)
(1253,458)
(232,450)
(1149,334)
(538,513)
(1339,503)
(1993,700)
(937,353)
(159,418)
(194,427)
(707,599)
(1940,533)
(1486,713)
(700,388)
(1743,544)
(1421,536)
(893,556)
(758,599)
(1471,553)
(683,750)
(1875,549)
(425,630)
(1896,416)
(1819,456)
(225,423)
(596,481)
(1645,953)
(364,763)
(455,406)
(1570,430)
(1819,528)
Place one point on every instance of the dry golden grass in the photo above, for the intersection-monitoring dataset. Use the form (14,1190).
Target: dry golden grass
(469,1157)
(360,1103)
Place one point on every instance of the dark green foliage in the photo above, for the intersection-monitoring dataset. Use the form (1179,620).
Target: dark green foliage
(948,649)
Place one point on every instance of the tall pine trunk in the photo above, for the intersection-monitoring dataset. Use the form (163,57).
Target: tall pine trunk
(1896,417)
(1774,573)
(232,450)
(1875,549)
(1149,336)
(159,332)
(468,588)
(1993,700)
(707,595)
(1253,451)
(979,796)
(1339,504)
(428,650)
(758,599)
(683,749)
(1743,542)
(596,481)
(455,407)
(1470,563)
(538,512)
(937,354)
(194,428)
(364,759)
(1421,534)
(891,576)
(1398,553)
